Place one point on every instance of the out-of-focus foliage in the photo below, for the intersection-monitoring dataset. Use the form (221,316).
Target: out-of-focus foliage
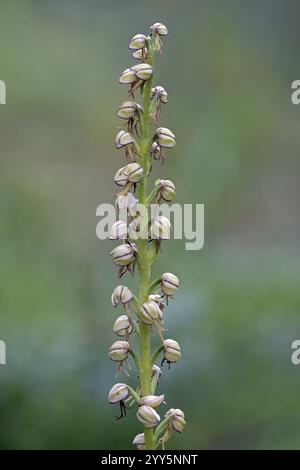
(227,67)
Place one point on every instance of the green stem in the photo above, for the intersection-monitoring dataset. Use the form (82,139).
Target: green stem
(135,358)
(153,285)
(134,395)
(144,268)
(152,195)
(156,354)
(161,428)
(154,383)
(136,305)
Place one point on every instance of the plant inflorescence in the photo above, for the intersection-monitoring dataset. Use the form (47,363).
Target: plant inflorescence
(143,144)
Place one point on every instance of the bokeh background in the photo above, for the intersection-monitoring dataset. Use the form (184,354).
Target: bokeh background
(228,68)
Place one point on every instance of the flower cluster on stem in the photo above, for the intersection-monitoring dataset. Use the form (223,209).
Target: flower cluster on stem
(143,143)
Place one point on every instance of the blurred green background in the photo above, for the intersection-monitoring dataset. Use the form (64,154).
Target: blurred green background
(228,68)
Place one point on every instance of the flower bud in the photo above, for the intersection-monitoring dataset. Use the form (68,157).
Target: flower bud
(125,201)
(134,172)
(146,318)
(158,299)
(152,400)
(120,177)
(169,283)
(165,137)
(119,231)
(150,311)
(156,151)
(123,138)
(160,228)
(127,77)
(138,42)
(122,326)
(133,211)
(122,295)
(139,441)
(124,254)
(127,109)
(159,29)
(138,227)
(160,92)
(155,376)
(172,350)
(134,228)
(156,370)
(118,351)
(118,393)
(160,317)
(177,419)
(166,189)
(143,71)
(140,54)
(148,416)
